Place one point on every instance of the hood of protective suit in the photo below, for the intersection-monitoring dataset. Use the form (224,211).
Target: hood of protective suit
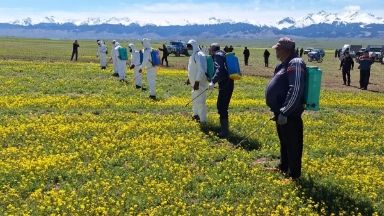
(194,45)
(117,44)
(132,47)
(146,43)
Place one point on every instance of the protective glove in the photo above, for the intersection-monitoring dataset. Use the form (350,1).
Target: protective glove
(187,82)
(211,86)
(133,66)
(282,120)
(140,71)
(196,86)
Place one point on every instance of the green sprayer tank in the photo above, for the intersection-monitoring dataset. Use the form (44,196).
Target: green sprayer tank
(312,88)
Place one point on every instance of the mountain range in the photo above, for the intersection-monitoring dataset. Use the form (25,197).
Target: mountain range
(350,24)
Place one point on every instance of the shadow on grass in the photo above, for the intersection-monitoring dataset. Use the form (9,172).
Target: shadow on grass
(332,199)
(249,144)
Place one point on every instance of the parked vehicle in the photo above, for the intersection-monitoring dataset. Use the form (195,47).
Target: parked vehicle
(321,51)
(178,48)
(375,52)
(308,50)
(350,48)
(315,56)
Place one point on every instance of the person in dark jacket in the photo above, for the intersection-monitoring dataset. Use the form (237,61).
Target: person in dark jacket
(226,86)
(246,55)
(365,70)
(266,57)
(165,55)
(301,52)
(297,51)
(75,50)
(346,64)
(284,96)
(336,53)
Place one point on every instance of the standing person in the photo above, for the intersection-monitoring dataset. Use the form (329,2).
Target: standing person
(135,65)
(365,70)
(197,77)
(151,69)
(266,57)
(113,58)
(336,53)
(102,52)
(226,86)
(246,55)
(297,51)
(165,55)
(120,64)
(75,50)
(284,95)
(301,52)
(346,64)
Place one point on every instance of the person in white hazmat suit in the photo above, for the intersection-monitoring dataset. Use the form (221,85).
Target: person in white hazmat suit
(150,69)
(135,65)
(102,52)
(197,67)
(115,73)
(120,64)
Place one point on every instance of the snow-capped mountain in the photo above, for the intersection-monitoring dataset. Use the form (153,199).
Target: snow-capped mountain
(330,18)
(321,24)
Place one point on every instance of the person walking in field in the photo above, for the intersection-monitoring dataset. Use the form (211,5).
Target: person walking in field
(102,52)
(75,50)
(120,63)
(266,58)
(301,52)
(165,55)
(197,77)
(113,58)
(346,65)
(365,62)
(246,55)
(135,65)
(226,86)
(151,69)
(284,96)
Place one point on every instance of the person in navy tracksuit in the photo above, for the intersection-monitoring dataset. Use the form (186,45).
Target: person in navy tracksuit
(226,86)
(284,95)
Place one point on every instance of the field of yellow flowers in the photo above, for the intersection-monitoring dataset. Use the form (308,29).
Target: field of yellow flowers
(75,141)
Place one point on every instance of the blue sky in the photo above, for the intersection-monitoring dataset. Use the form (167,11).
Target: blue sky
(266,10)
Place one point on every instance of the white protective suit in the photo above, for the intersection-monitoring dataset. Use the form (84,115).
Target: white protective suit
(113,56)
(147,65)
(102,53)
(197,68)
(135,60)
(120,64)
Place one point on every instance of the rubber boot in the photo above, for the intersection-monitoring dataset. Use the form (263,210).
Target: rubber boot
(196,118)
(224,128)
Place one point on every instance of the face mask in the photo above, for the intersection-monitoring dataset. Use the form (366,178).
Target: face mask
(190,52)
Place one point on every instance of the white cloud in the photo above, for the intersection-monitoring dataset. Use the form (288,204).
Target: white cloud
(352,8)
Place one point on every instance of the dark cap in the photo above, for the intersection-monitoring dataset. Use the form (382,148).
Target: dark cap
(366,51)
(285,43)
